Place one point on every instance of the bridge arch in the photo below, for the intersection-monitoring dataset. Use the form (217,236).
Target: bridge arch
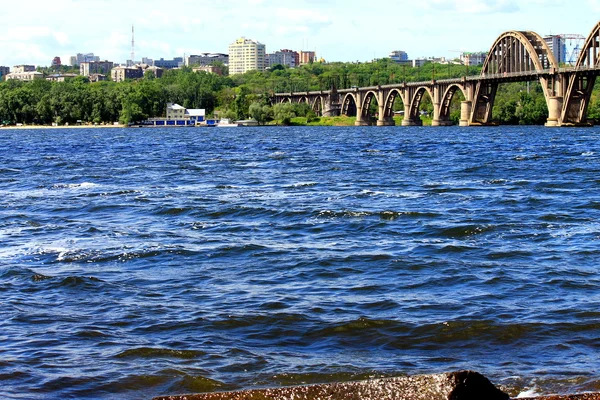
(303,99)
(450,92)
(366,105)
(349,105)
(415,104)
(318,105)
(518,51)
(390,99)
(512,53)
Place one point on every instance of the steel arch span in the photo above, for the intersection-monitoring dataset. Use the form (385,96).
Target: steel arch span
(514,53)
(581,83)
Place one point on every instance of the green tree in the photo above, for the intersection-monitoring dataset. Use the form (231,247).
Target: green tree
(284,112)
(262,113)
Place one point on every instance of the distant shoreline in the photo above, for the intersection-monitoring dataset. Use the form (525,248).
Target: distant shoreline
(7,127)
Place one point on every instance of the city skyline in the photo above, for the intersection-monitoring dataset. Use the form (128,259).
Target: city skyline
(337,31)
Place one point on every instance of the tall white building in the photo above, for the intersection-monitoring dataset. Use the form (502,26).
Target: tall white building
(246,55)
(558,46)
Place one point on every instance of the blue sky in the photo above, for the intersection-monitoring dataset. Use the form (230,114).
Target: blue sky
(35,31)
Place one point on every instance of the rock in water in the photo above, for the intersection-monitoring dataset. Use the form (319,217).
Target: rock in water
(462,385)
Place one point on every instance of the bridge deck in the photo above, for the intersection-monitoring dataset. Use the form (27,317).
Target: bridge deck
(504,77)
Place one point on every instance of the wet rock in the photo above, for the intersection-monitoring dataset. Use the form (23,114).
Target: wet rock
(584,396)
(462,385)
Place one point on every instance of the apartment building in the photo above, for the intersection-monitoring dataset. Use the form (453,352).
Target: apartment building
(283,57)
(246,55)
(306,57)
(95,67)
(119,74)
(206,59)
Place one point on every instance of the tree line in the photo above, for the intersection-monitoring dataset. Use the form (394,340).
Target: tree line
(245,95)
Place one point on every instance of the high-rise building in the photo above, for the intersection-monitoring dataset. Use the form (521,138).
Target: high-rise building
(398,56)
(558,46)
(81,58)
(246,55)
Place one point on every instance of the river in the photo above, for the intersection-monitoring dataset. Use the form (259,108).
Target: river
(143,262)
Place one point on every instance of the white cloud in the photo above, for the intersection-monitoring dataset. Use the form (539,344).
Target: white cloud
(473,6)
(340,30)
(594,5)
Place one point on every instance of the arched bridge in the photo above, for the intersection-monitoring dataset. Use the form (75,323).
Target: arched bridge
(514,57)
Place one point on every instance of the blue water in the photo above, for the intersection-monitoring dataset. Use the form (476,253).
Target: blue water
(143,262)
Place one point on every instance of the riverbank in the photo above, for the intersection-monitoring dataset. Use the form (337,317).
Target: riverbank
(297,121)
(23,126)
(344,121)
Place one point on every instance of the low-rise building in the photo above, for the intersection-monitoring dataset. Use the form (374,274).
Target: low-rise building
(97,78)
(419,62)
(121,73)
(476,58)
(399,56)
(175,111)
(211,69)
(25,76)
(60,77)
(177,115)
(19,69)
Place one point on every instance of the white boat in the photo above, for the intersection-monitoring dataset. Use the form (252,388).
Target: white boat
(226,123)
